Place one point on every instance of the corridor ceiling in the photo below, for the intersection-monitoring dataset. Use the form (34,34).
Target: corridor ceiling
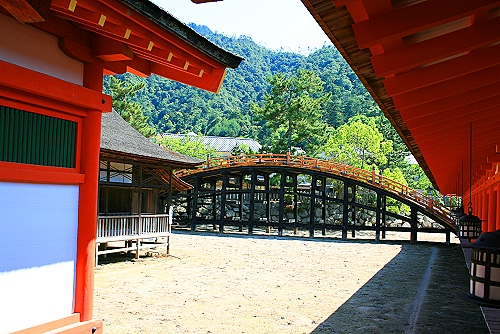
(433,67)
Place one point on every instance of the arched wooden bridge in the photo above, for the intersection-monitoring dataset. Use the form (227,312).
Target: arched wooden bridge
(309,194)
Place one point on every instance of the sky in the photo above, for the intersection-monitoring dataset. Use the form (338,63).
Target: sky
(275,24)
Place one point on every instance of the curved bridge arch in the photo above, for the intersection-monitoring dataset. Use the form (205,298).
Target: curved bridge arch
(236,191)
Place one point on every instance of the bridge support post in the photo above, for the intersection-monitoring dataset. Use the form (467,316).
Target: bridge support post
(345,212)
(323,205)
(281,202)
(240,204)
(377,217)
(251,215)
(213,188)
(448,238)
(194,205)
(223,203)
(353,212)
(312,209)
(413,237)
(383,209)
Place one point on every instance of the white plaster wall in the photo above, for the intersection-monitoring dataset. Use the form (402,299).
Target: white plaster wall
(23,45)
(38,229)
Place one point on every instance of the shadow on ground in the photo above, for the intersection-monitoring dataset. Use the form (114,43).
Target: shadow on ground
(386,303)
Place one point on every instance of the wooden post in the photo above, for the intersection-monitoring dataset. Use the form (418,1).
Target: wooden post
(345,211)
(88,195)
(223,202)
(312,206)
(281,201)
(139,214)
(251,216)
(414,227)
(194,203)
(377,216)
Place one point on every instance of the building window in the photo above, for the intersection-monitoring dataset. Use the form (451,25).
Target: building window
(36,139)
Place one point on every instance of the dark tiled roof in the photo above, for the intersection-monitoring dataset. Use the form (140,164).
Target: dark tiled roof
(179,29)
(221,144)
(119,137)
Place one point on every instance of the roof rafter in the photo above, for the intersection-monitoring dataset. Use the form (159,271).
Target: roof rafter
(412,19)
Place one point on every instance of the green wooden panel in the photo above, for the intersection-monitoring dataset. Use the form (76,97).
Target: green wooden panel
(36,139)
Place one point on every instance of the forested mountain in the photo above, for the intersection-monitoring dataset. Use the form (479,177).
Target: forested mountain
(177,108)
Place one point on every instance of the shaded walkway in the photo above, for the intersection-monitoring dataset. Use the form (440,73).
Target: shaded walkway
(385,304)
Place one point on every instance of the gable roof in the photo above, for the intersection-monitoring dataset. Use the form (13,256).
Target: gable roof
(133,36)
(118,137)
(220,144)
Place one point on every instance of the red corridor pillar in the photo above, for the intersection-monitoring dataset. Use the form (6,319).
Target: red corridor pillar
(483,215)
(492,212)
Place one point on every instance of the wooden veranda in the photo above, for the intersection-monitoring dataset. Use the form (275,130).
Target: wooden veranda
(136,182)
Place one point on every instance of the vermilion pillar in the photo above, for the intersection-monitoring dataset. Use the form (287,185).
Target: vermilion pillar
(484,210)
(87,207)
(497,218)
(492,210)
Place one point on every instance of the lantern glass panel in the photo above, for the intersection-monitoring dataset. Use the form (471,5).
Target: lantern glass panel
(479,291)
(495,292)
(495,274)
(480,270)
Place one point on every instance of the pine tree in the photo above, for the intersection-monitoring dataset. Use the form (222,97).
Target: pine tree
(130,111)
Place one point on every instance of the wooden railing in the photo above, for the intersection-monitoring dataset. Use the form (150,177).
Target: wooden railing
(330,167)
(111,228)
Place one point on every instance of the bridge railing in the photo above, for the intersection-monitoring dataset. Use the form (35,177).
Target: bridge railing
(328,166)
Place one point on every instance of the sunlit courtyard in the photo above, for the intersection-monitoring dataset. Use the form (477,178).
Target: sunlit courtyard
(241,284)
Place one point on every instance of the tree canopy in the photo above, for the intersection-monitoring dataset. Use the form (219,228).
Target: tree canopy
(293,110)
(359,143)
(123,92)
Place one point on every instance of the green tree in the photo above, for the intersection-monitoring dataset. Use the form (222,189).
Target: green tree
(359,143)
(293,110)
(123,92)
(192,146)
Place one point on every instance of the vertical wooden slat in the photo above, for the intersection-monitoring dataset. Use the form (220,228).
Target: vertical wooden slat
(31,138)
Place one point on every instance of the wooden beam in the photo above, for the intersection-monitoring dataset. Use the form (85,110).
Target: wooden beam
(438,91)
(495,158)
(451,102)
(207,82)
(24,11)
(450,125)
(436,49)
(425,76)
(107,49)
(434,123)
(412,19)
(35,83)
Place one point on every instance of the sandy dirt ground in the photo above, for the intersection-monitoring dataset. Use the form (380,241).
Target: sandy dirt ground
(241,284)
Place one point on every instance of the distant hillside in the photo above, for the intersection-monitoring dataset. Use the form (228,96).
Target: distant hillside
(176,108)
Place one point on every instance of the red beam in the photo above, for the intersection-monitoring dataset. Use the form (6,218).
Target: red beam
(440,124)
(429,116)
(495,158)
(208,82)
(451,102)
(447,88)
(22,10)
(436,49)
(412,19)
(448,70)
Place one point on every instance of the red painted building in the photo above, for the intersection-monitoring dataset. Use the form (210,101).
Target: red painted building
(53,55)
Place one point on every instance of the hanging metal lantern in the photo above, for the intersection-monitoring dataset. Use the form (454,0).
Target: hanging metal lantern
(485,270)
(469,226)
